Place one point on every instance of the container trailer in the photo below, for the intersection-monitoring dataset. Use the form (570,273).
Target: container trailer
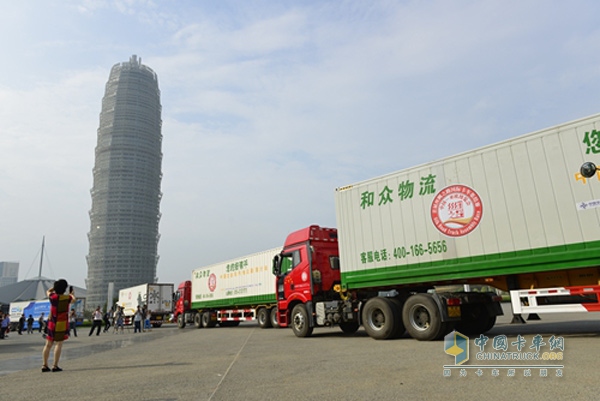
(517,216)
(227,293)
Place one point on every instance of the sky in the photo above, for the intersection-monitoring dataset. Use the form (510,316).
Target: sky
(267,107)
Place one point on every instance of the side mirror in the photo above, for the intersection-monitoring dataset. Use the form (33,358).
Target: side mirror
(588,169)
(277,265)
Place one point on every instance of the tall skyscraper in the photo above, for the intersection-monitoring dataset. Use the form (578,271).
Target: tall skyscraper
(126,192)
(9,273)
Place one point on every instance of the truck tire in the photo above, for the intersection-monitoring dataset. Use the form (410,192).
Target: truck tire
(207,321)
(264,318)
(421,318)
(379,318)
(349,327)
(300,321)
(181,321)
(274,321)
(198,321)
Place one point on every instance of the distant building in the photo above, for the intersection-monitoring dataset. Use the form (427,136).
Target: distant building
(9,273)
(125,214)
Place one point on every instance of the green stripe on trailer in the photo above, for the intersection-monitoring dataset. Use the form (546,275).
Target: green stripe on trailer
(241,302)
(518,262)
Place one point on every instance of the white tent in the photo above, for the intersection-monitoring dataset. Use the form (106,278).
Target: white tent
(32,289)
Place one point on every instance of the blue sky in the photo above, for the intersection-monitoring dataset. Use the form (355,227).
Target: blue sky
(268,107)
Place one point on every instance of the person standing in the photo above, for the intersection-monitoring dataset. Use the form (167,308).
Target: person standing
(97,321)
(30,321)
(107,317)
(73,322)
(118,320)
(147,320)
(58,322)
(137,320)
(41,323)
(21,324)
(4,325)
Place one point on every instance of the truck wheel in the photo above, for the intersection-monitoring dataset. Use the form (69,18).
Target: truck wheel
(379,318)
(421,317)
(207,321)
(274,321)
(181,321)
(349,327)
(300,321)
(198,321)
(264,318)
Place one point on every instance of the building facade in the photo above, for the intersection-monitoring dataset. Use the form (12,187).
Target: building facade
(126,194)
(9,273)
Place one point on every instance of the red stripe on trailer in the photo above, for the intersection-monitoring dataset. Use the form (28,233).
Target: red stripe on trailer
(587,290)
(584,289)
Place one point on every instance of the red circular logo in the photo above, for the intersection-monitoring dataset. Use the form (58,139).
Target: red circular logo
(212,282)
(456,210)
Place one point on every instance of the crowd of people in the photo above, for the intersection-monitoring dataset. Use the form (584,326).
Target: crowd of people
(62,321)
(100,322)
(24,324)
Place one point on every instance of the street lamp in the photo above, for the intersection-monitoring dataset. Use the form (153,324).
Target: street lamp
(588,169)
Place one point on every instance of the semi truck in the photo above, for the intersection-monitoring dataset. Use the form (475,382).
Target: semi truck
(154,297)
(227,293)
(517,216)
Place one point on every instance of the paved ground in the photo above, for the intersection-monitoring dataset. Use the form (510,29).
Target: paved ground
(247,363)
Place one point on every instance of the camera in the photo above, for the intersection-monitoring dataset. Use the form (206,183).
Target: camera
(70,289)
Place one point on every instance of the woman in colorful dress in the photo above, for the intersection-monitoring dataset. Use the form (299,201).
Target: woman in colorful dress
(58,322)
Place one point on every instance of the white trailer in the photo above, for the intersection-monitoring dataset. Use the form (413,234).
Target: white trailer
(516,215)
(229,292)
(156,297)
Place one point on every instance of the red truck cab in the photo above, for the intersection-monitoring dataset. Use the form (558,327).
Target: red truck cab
(306,270)
(183,298)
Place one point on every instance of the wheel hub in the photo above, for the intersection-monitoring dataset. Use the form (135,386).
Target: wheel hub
(419,318)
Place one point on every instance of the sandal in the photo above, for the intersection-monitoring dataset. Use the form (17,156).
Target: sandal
(45,368)
(56,369)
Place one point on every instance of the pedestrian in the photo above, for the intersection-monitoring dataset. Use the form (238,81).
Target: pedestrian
(73,322)
(118,320)
(96,321)
(30,321)
(5,322)
(41,323)
(107,317)
(147,321)
(21,324)
(137,320)
(58,322)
